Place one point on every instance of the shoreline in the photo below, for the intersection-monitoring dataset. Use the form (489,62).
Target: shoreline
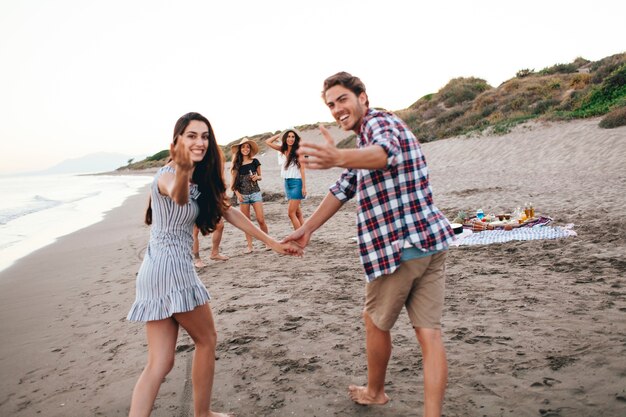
(531,328)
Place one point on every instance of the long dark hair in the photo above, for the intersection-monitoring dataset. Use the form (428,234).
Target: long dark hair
(292,157)
(237,159)
(208,175)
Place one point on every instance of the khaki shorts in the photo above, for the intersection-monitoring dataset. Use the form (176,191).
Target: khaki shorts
(418,284)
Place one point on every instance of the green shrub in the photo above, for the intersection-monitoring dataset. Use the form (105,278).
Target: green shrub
(545,105)
(524,73)
(449,116)
(607,95)
(159,155)
(559,69)
(603,68)
(615,118)
(460,90)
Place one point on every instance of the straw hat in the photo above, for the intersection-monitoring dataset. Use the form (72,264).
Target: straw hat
(254,148)
(291,129)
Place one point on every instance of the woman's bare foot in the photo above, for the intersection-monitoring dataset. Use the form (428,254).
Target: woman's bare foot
(214,414)
(198,263)
(248,250)
(219,257)
(360,396)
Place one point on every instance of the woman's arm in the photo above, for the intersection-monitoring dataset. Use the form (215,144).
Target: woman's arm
(270,142)
(241,222)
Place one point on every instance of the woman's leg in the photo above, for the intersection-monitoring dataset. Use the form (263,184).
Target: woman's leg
(245,209)
(299,212)
(292,211)
(260,218)
(216,239)
(197,261)
(200,326)
(161,335)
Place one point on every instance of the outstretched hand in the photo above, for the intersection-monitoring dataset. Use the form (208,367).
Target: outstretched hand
(287,248)
(320,156)
(300,236)
(181,155)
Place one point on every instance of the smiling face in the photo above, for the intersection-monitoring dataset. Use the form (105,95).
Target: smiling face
(290,139)
(245,149)
(196,138)
(347,108)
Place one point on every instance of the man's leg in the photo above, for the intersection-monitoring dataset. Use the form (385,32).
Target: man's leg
(435,369)
(378,343)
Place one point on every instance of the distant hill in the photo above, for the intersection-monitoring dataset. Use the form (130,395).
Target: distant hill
(465,106)
(92,163)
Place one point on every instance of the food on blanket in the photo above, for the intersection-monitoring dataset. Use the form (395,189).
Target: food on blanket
(479,226)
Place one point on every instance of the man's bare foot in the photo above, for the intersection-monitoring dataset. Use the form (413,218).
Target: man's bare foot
(219,257)
(198,263)
(360,396)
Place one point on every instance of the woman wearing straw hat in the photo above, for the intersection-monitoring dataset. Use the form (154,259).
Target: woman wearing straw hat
(245,172)
(291,171)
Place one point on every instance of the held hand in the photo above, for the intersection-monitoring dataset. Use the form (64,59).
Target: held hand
(289,248)
(300,236)
(181,156)
(320,156)
(239,196)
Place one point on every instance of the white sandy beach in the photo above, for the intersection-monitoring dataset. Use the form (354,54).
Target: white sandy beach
(534,328)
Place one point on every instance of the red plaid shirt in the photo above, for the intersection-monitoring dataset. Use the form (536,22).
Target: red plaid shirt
(395,203)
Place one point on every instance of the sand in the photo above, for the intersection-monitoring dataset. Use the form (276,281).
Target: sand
(533,328)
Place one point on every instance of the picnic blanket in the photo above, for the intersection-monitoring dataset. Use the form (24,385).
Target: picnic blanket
(534,232)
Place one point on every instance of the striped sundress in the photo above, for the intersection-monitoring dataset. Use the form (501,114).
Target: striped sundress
(167,281)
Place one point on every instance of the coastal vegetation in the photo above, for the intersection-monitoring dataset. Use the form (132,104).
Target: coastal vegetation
(465,106)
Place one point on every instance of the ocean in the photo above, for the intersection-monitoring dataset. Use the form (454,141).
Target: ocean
(35,210)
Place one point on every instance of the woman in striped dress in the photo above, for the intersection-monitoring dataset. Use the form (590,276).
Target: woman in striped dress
(188,190)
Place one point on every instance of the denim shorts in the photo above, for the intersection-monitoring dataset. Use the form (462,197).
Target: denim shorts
(251,198)
(293,189)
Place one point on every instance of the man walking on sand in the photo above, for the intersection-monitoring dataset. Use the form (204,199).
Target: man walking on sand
(403,238)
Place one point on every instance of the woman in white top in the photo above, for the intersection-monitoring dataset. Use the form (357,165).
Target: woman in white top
(291,171)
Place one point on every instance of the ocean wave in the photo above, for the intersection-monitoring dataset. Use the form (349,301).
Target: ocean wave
(37,203)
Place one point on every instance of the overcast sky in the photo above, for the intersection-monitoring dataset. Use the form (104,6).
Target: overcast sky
(84,76)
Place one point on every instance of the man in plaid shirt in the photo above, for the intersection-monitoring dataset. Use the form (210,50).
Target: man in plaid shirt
(403,238)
